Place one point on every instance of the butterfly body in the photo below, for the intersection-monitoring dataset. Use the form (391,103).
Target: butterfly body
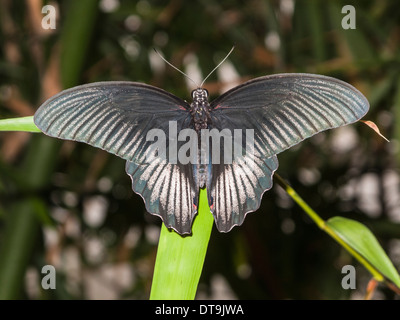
(200,109)
(277,111)
(201,119)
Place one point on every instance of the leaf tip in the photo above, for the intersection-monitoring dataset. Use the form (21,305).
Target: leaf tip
(374,127)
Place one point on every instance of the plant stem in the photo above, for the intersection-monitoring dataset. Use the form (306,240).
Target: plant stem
(323,226)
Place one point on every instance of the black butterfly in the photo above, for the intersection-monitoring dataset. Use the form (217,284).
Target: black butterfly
(283,110)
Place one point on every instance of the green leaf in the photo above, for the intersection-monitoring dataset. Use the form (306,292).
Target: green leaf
(180,259)
(355,39)
(361,239)
(23,227)
(77,31)
(18,124)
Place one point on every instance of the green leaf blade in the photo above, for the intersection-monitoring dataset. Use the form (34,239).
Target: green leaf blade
(180,260)
(19,124)
(362,240)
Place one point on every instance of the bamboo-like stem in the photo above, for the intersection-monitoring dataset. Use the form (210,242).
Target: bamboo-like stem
(372,284)
(323,226)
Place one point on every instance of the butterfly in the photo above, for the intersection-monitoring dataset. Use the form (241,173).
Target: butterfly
(281,110)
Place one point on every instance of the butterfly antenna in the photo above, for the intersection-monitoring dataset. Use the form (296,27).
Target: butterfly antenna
(201,85)
(171,65)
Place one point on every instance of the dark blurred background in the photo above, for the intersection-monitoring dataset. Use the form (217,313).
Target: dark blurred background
(71,205)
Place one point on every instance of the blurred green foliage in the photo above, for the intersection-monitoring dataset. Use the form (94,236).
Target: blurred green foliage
(53,186)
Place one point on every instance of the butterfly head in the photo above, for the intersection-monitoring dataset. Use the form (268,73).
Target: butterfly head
(200,95)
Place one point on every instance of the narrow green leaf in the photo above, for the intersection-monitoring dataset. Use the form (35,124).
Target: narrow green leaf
(16,247)
(361,239)
(180,259)
(22,224)
(396,111)
(355,39)
(75,39)
(381,90)
(18,124)
(316,29)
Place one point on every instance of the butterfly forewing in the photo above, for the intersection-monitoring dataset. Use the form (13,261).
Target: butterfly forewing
(114,116)
(288,108)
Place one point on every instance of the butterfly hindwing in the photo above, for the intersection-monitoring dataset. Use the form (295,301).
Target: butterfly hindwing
(237,188)
(169,191)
